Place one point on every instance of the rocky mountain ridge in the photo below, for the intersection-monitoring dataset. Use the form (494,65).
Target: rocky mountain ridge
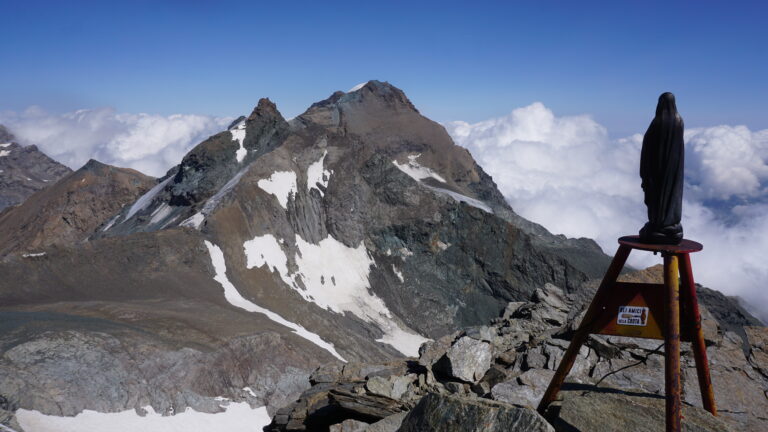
(71,210)
(24,170)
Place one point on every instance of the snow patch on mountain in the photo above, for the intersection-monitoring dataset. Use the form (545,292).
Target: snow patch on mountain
(146,199)
(417,171)
(238,134)
(33,255)
(281,184)
(398,273)
(238,416)
(197,219)
(111,222)
(4,153)
(357,87)
(194,221)
(316,174)
(160,213)
(265,250)
(463,198)
(213,201)
(234,297)
(335,277)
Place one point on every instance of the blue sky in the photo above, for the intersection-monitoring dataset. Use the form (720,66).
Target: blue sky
(456,60)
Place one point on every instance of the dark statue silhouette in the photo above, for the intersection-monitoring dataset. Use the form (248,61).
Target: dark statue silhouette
(661,169)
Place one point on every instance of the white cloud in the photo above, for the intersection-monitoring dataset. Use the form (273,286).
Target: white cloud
(146,142)
(565,173)
(727,162)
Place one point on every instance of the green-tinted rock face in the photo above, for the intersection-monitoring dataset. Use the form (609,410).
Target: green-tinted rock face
(453,414)
(616,411)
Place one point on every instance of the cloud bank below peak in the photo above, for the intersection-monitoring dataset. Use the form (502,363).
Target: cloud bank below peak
(568,175)
(145,142)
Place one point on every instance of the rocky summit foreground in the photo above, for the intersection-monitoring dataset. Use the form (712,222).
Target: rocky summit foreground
(491,378)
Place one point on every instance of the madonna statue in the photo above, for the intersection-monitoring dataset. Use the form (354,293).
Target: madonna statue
(661,170)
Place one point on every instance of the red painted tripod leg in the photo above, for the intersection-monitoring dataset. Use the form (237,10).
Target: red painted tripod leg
(672,343)
(585,327)
(699,349)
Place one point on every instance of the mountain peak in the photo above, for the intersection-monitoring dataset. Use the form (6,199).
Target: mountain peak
(24,170)
(93,165)
(373,99)
(6,135)
(381,90)
(265,110)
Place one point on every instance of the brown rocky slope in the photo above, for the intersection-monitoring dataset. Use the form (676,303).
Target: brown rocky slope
(71,209)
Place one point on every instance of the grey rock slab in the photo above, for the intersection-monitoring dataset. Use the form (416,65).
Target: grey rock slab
(430,352)
(368,406)
(400,385)
(551,296)
(525,390)
(510,310)
(481,333)
(438,413)
(535,359)
(349,425)
(620,412)
(468,360)
(379,386)
(326,374)
(388,424)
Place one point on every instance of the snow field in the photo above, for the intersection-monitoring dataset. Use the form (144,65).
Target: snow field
(239,416)
(416,171)
(234,297)
(463,198)
(146,199)
(336,278)
(317,175)
(238,134)
(194,221)
(357,87)
(281,184)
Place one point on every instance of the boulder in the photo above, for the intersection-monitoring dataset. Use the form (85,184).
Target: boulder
(616,411)
(400,385)
(349,426)
(430,352)
(379,386)
(525,390)
(468,360)
(438,413)
(371,407)
(388,424)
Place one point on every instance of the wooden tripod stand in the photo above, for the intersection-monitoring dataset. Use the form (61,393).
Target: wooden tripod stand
(655,311)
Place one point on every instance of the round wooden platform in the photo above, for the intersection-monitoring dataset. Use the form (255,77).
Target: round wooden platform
(685,246)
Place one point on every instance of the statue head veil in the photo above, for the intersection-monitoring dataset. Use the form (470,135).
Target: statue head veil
(666,105)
